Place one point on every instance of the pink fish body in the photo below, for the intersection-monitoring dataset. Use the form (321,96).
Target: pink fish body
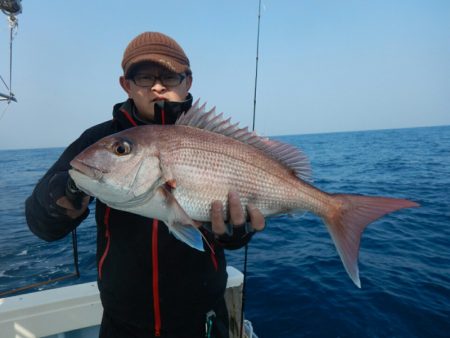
(173,173)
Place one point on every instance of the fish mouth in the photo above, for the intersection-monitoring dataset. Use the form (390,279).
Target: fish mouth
(87,170)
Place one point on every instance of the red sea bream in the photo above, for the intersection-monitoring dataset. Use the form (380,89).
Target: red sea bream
(173,173)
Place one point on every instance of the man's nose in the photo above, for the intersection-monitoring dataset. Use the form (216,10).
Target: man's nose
(158,86)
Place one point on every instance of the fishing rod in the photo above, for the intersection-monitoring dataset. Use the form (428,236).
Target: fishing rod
(244,283)
(256,70)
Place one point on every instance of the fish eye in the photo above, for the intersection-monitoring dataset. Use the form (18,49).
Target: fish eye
(122,148)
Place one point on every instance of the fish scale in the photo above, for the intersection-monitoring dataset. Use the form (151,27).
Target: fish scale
(202,175)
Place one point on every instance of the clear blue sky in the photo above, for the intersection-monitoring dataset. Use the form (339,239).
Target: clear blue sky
(324,65)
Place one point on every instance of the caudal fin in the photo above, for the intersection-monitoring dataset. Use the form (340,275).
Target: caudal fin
(347,218)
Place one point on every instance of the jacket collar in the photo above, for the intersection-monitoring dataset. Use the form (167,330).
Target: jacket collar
(125,113)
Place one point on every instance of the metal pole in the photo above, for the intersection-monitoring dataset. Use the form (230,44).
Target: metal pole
(11,27)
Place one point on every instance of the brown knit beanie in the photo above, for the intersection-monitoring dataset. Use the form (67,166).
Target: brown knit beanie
(158,48)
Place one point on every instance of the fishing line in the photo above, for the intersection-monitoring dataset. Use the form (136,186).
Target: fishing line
(244,283)
(4,82)
(75,252)
(4,111)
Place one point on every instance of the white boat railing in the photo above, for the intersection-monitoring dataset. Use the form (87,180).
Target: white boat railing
(76,311)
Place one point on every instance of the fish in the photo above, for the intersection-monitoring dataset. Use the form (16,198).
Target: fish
(174,172)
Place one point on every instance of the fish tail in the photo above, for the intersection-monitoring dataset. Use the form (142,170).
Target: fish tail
(348,216)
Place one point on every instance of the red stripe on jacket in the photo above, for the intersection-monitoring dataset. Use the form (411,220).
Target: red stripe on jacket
(156,305)
(128,116)
(108,241)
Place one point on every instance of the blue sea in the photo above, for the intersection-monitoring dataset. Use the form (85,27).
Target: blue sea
(296,284)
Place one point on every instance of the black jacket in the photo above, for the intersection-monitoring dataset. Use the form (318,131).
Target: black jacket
(146,277)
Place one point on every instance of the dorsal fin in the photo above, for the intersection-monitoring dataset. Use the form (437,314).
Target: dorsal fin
(290,156)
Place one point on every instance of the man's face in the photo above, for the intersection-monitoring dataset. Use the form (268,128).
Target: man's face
(145,90)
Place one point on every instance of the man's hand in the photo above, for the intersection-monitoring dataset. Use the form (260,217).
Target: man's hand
(64,193)
(236,215)
(71,210)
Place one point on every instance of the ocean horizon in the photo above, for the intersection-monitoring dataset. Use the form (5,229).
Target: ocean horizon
(269,136)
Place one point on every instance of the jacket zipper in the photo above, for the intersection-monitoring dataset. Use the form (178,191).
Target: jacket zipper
(108,241)
(156,303)
(155,277)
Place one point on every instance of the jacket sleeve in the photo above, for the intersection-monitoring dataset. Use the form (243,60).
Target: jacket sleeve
(46,219)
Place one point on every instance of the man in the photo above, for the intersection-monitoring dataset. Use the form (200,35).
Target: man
(151,284)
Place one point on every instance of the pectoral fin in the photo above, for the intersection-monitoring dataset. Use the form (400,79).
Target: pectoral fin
(187,234)
(179,222)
